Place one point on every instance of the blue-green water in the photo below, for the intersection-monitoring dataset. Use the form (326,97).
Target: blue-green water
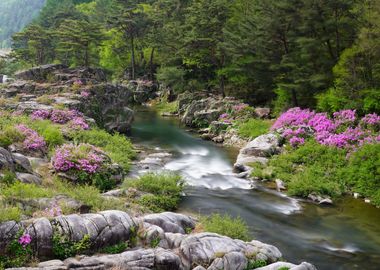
(345,236)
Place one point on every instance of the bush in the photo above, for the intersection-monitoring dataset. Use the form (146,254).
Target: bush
(8,178)
(311,168)
(164,190)
(235,228)
(164,106)
(253,128)
(51,132)
(10,135)
(117,146)
(363,172)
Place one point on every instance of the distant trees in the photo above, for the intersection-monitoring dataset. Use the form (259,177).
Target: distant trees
(281,53)
(14,15)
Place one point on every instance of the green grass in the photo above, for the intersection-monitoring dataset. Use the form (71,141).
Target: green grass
(164,106)
(253,128)
(235,228)
(314,168)
(117,146)
(163,191)
(9,213)
(25,191)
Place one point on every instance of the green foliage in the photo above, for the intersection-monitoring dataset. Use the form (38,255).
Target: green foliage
(256,264)
(117,146)
(50,132)
(17,255)
(64,248)
(8,178)
(10,135)
(235,228)
(253,128)
(172,77)
(363,172)
(163,106)
(115,249)
(9,213)
(25,191)
(314,168)
(164,190)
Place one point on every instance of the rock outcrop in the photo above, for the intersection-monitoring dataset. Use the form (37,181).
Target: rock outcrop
(174,250)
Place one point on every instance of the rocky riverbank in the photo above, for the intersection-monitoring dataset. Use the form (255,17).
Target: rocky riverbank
(64,190)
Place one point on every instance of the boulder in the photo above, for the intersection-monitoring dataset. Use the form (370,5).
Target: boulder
(257,150)
(6,160)
(171,222)
(22,163)
(320,199)
(280,265)
(28,178)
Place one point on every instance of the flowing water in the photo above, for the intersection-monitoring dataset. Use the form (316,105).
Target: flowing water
(345,236)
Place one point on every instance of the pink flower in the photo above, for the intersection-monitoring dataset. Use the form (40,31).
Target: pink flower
(85,94)
(25,240)
(78,123)
(296,141)
(32,140)
(40,115)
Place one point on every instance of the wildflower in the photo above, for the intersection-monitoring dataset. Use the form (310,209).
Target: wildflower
(32,140)
(25,240)
(85,94)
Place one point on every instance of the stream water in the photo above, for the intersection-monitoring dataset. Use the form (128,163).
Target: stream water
(345,236)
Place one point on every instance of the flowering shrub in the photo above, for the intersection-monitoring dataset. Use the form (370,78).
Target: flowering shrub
(85,163)
(83,157)
(343,130)
(18,252)
(73,117)
(32,140)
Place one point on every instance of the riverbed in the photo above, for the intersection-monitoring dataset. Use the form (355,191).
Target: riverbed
(343,236)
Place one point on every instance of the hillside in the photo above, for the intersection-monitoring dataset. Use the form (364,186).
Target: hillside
(14,15)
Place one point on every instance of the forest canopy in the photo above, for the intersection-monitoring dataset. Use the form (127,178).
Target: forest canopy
(279,53)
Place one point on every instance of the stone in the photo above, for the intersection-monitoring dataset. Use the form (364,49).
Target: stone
(22,163)
(280,185)
(6,160)
(218,139)
(257,150)
(262,113)
(39,73)
(367,200)
(171,222)
(28,178)
(279,265)
(319,199)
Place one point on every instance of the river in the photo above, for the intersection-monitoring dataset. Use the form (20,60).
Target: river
(344,236)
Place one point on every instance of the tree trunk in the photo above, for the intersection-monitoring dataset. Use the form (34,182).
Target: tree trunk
(151,64)
(133,57)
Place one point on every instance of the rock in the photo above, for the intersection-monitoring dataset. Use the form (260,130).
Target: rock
(39,73)
(319,199)
(52,263)
(257,150)
(279,265)
(230,261)
(202,248)
(171,222)
(22,163)
(244,174)
(367,200)
(218,139)
(29,178)
(262,112)
(280,185)
(199,268)
(6,160)
(356,195)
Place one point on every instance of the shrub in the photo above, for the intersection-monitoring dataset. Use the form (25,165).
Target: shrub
(32,141)
(115,249)
(311,168)
(18,252)
(256,264)
(363,173)
(117,146)
(10,135)
(235,228)
(50,132)
(164,106)
(64,248)
(8,178)
(253,128)
(164,190)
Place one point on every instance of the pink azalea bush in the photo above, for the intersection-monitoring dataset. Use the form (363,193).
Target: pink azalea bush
(343,130)
(85,94)
(54,211)
(73,117)
(82,157)
(32,140)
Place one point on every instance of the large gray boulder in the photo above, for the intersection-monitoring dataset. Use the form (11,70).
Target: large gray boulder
(39,73)
(6,160)
(279,265)
(257,150)
(171,222)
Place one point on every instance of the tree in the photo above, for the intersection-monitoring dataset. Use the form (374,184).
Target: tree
(76,40)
